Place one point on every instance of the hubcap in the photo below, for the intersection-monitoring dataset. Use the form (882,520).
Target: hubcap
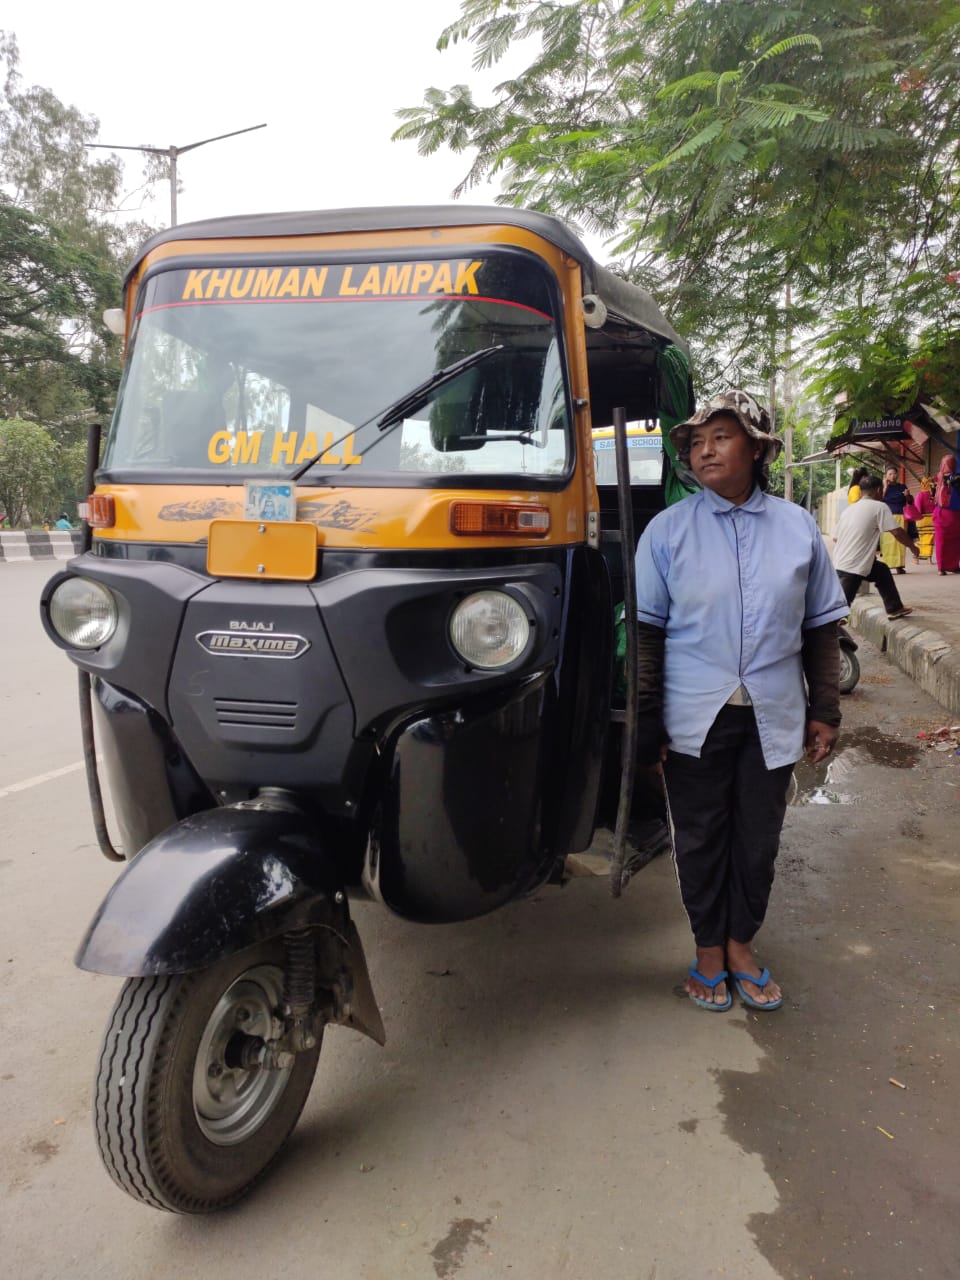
(231,1101)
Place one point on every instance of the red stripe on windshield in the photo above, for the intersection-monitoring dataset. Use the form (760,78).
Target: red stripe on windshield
(423,297)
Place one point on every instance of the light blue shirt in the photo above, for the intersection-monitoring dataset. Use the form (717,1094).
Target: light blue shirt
(734,588)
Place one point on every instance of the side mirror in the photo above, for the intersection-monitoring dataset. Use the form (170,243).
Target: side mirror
(115,318)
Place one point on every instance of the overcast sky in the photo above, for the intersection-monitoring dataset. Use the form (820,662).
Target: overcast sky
(326,78)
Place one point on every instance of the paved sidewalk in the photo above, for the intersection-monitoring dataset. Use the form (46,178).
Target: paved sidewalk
(926,645)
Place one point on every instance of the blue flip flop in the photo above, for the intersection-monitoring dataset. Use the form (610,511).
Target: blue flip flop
(760,982)
(712,983)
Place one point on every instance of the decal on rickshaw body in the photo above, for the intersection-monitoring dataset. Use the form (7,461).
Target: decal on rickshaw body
(232,644)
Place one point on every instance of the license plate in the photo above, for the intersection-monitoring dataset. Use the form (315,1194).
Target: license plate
(275,550)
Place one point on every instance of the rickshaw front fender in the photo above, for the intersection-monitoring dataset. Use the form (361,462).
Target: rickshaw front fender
(211,885)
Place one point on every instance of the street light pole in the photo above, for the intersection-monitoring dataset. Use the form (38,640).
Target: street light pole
(172,154)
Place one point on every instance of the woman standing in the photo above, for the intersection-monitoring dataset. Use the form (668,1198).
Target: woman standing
(946,517)
(896,496)
(737,602)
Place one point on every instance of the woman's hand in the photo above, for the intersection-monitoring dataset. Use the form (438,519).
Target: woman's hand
(819,741)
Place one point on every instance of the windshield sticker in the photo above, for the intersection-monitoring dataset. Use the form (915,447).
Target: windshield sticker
(268,501)
(247,449)
(376,280)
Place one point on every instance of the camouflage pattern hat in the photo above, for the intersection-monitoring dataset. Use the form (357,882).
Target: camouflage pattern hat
(740,405)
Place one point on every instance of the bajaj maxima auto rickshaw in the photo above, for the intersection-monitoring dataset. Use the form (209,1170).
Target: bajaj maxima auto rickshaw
(345,624)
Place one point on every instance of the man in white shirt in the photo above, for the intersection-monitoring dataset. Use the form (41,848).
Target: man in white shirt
(855,553)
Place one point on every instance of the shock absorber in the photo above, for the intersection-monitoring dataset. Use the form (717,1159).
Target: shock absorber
(299,988)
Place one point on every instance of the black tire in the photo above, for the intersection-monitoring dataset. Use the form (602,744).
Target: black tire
(176,1128)
(849,670)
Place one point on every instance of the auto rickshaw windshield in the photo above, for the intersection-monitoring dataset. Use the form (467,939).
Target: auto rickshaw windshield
(256,369)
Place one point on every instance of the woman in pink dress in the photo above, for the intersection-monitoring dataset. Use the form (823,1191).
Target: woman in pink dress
(946,517)
(921,513)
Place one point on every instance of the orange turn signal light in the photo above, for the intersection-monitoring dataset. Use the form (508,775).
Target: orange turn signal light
(477,519)
(99,511)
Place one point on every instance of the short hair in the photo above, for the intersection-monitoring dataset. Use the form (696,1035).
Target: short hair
(871,482)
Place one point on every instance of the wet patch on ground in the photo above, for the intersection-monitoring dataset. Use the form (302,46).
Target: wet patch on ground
(830,782)
(449,1254)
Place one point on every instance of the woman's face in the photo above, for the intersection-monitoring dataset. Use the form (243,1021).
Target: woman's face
(722,457)
(891,475)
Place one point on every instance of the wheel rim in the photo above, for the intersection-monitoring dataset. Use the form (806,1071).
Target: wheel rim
(231,1102)
(846,667)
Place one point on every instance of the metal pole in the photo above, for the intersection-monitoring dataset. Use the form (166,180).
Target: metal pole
(173,186)
(172,153)
(628,740)
(788,401)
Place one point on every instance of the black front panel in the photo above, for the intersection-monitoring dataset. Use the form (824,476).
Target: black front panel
(256,696)
(389,629)
(458,833)
(152,784)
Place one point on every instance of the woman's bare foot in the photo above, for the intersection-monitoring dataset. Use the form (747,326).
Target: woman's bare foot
(709,963)
(740,959)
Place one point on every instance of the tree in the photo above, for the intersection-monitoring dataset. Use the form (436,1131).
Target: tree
(728,150)
(28,460)
(47,284)
(61,257)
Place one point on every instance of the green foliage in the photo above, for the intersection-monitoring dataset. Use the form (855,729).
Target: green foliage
(61,261)
(728,150)
(28,469)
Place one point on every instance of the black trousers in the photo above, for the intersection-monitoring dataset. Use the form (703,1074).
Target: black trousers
(726,813)
(882,579)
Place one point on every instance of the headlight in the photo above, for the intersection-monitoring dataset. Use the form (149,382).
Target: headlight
(83,613)
(489,629)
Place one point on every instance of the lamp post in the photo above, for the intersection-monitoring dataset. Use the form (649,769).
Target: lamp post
(172,153)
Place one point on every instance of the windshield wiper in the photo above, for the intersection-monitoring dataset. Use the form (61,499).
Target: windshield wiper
(395,413)
(420,395)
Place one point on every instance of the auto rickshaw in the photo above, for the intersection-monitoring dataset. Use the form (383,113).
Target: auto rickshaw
(344,629)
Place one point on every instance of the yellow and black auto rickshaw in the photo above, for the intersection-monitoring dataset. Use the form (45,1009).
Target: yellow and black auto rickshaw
(344,627)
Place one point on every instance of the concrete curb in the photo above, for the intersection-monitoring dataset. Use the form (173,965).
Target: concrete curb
(30,544)
(926,657)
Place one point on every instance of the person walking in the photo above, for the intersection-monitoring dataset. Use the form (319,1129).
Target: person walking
(855,550)
(946,517)
(737,602)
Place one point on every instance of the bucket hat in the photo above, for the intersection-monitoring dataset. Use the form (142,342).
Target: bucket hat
(740,405)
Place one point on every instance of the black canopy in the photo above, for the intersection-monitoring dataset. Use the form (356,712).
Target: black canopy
(622,352)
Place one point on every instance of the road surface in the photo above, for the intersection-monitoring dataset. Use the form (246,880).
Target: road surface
(548,1104)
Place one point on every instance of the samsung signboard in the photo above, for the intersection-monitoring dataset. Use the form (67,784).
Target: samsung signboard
(889,428)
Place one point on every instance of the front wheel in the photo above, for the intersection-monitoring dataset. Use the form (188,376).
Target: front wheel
(185,1120)
(849,670)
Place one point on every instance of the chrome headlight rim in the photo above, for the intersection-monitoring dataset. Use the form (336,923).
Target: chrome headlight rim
(89,619)
(513,647)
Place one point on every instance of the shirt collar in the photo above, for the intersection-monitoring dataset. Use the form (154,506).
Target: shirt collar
(755,504)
